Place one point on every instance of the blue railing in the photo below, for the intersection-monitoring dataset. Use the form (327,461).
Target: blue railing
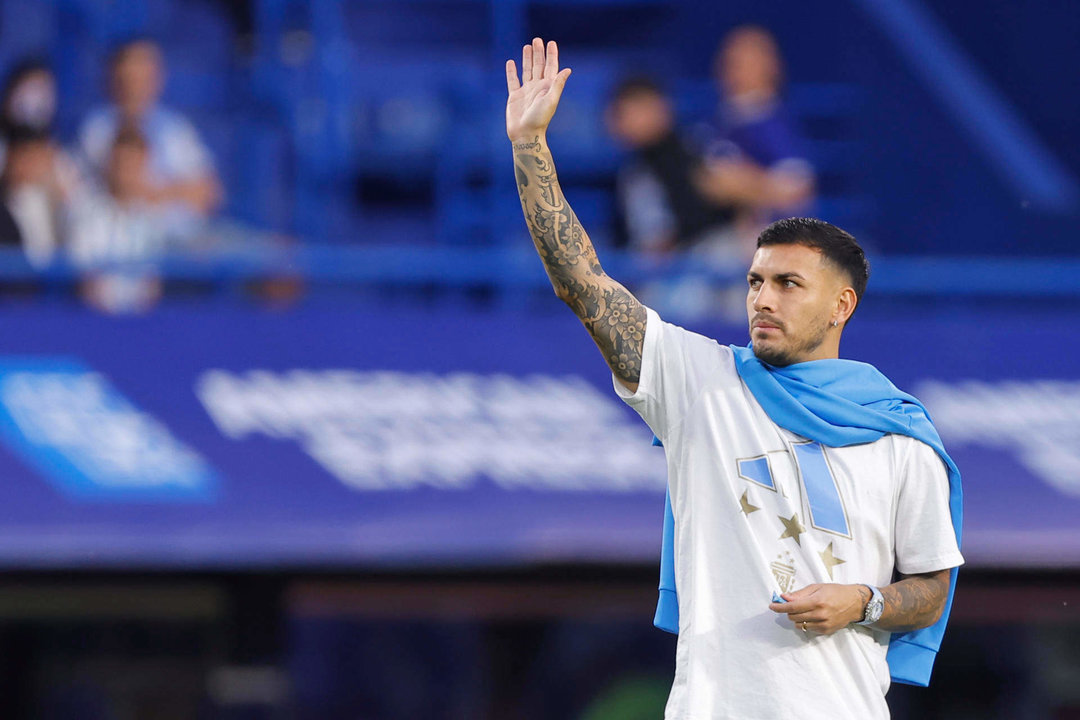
(515,269)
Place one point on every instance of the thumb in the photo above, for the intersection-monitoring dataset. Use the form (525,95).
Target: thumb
(800,593)
(560,81)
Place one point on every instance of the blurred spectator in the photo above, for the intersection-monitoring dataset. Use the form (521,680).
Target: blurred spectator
(180,168)
(117,232)
(29,97)
(757,160)
(38,176)
(660,206)
(27,220)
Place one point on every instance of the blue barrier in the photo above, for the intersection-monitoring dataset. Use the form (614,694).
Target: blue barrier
(518,268)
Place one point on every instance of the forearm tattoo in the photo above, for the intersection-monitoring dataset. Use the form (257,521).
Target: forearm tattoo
(613,316)
(914,602)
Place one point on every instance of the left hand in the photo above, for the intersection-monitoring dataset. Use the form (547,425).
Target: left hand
(823,607)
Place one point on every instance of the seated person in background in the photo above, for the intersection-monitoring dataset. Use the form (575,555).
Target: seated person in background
(661,208)
(27,220)
(181,171)
(38,175)
(756,160)
(119,233)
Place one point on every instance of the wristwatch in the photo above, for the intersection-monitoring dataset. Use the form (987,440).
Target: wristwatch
(874,608)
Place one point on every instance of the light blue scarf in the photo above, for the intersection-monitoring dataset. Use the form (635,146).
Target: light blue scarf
(836,403)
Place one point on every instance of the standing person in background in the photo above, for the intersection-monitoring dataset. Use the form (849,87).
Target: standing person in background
(661,208)
(757,159)
(181,169)
(793,475)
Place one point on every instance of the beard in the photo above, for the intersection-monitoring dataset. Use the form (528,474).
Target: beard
(780,356)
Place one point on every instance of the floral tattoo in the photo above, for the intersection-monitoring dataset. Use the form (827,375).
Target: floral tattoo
(613,316)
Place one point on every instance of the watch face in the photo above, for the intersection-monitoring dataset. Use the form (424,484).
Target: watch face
(873,610)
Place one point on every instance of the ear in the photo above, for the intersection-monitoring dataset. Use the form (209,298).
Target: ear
(845,305)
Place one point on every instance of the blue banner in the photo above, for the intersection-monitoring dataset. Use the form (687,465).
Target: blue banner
(224,436)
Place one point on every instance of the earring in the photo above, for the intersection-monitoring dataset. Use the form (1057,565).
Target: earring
(834,323)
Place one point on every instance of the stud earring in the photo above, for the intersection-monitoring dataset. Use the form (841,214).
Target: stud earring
(834,323)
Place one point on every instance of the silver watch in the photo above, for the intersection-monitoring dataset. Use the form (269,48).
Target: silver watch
(874,608)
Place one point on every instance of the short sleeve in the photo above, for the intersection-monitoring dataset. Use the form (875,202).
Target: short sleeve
(96,137)
(925,538)
(675,366)
(186,157)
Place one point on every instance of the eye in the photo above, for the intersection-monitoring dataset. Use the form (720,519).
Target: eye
(790,284)
(754,282)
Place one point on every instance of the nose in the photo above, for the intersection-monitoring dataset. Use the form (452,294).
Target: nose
(764,299)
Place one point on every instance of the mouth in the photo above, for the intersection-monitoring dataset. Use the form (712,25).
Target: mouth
(765,324)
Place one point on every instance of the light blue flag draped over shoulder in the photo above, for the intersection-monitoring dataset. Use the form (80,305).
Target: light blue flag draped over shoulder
(835,403)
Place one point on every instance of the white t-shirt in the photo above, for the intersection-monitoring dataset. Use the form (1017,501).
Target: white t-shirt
(759,509)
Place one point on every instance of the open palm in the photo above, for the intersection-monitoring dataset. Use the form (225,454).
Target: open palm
(532,101)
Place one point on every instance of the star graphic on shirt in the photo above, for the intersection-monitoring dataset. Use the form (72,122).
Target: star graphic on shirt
(830,560)
(745,505)
(792,528)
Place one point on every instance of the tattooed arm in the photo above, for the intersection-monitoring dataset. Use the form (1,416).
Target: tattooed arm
(913,602)
(613,317)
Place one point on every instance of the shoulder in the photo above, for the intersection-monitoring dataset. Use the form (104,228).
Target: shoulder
(688,338)
(915,460)
(98,125)
(677,345)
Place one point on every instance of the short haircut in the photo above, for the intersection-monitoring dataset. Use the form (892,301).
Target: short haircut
(837,246)
(636,86)
(17,136)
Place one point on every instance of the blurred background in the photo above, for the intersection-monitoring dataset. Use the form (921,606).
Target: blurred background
(292,426)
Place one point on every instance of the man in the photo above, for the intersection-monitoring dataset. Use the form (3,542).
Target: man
(757,158)
(660,205)
(181,168)
(820,518)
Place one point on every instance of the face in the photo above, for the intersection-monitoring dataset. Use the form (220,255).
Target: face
(794,295)
(640,119)
(28,164)
(748,63)
(137,79)
(33,100)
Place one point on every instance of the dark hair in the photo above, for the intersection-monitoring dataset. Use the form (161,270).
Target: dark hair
(636,86)
(837,246)
(17,136)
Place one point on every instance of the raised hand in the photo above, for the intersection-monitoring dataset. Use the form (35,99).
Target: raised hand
(531,102)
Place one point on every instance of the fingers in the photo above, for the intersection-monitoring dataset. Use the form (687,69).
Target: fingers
(793,606)
(808,617)
(526,63)
(538,58)
(560,79)
(551,67)
(512,83)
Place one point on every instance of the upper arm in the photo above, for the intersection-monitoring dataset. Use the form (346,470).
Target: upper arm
(924,536)
(676,368)
(615,320)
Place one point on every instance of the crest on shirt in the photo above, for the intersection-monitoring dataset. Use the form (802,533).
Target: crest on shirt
(783,569)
